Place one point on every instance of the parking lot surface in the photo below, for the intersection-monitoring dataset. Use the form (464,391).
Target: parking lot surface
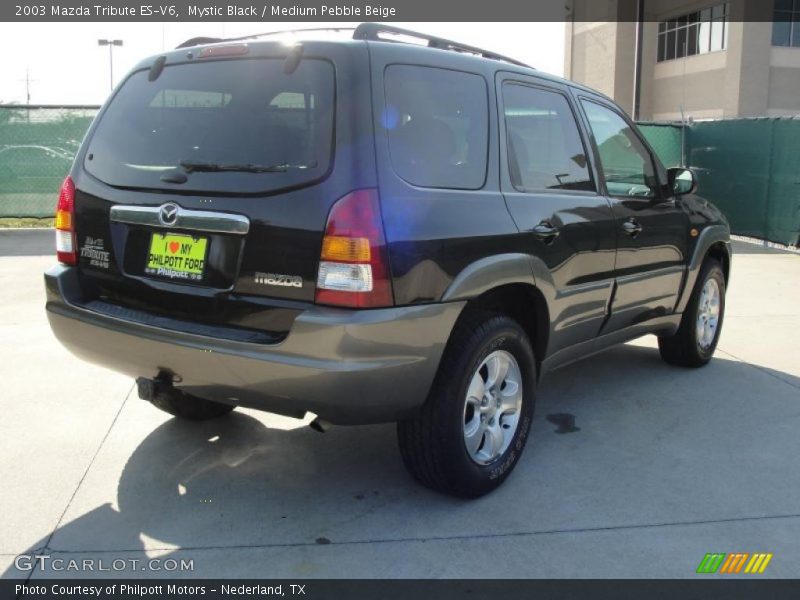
(666,465)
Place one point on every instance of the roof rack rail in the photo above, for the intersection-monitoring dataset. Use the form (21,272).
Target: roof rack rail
(372,31)
(196,41)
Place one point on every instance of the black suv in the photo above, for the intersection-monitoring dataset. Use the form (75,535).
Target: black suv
(373,230)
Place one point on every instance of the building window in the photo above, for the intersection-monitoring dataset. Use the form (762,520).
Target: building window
(695,33)
(786,23)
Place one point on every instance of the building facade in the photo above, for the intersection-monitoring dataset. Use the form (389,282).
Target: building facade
(706,59)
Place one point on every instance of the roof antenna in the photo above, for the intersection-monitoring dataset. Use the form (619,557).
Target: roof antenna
(157,68)
(293,59)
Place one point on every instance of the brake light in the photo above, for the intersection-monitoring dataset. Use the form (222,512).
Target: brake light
(354,263)
(222,51)
(65,224)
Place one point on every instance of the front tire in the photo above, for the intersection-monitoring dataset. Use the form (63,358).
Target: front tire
(471,431)
(694,343)
(185,406)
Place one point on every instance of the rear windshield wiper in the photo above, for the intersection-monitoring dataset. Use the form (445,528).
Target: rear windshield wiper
(209,167)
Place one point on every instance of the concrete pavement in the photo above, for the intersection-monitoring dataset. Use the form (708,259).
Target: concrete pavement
(667,464)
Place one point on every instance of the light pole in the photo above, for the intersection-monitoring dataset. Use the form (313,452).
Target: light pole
(110,44)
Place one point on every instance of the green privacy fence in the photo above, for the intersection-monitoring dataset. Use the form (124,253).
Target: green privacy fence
(37,145)
(667,140)
(749,168)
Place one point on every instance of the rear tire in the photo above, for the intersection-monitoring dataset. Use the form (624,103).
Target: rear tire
(182,405)
(694,343)
(470,433)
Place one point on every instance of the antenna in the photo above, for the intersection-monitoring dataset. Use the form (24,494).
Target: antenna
(28,82)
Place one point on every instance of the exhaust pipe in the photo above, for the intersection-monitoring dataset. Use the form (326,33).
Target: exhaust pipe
(320,425)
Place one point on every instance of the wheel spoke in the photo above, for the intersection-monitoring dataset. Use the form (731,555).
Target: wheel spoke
(510,397)
(713,306)
(473,438)
(498,367)
(476,389)
(494,440)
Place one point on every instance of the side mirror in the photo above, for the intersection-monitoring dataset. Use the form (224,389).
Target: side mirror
(681,181)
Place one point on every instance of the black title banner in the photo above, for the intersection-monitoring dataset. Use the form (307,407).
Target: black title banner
(289,10)
(690,589)
(356,10)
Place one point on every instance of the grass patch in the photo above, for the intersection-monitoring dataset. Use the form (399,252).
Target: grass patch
(16,222)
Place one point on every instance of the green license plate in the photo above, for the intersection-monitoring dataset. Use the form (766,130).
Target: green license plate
(177,256)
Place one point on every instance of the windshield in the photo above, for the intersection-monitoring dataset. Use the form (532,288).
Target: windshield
(227,113)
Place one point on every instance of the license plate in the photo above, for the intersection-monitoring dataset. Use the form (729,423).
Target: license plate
(177,256)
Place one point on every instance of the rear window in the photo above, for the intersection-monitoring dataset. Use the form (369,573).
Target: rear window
(228,113)
(437,122)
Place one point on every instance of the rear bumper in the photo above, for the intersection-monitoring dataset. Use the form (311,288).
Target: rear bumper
(348,367)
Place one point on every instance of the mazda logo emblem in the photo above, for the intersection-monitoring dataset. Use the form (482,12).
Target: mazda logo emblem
(168,214)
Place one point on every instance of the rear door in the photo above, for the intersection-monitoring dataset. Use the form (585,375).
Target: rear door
(652,231)
(550,189)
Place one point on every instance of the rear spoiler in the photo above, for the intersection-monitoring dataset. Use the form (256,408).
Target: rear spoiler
(376,32)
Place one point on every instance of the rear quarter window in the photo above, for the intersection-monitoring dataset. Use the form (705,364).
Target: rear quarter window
(437,123)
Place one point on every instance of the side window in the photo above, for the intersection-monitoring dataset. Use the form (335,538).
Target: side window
(437,122)
(544,146)
(626,163)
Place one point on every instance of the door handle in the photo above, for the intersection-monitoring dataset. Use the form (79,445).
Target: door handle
(632,227)
(545,232)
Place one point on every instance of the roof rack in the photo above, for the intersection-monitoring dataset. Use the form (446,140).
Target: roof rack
(373,31)
(198,41)
(202,40)
(289,31)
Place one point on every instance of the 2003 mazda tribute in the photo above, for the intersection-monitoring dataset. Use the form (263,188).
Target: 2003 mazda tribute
(375,231)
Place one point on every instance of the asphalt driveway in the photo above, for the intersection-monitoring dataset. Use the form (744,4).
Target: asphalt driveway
(666,465)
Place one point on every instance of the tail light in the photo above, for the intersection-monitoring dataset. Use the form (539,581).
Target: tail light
(66,250)
(354,265)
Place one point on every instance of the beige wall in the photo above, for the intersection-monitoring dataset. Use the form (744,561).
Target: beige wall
(749,78)
(784,82)
(598,48)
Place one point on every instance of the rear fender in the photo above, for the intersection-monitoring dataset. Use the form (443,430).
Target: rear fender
(487,273)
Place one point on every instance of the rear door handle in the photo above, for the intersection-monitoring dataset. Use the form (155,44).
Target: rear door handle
(632,227)
(545,232)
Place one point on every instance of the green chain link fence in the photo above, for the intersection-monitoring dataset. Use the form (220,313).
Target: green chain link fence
(37,145)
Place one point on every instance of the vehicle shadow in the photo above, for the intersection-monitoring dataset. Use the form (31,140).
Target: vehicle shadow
(234,482)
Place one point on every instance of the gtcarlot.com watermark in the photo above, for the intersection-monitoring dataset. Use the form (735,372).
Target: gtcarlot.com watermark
(45,562)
